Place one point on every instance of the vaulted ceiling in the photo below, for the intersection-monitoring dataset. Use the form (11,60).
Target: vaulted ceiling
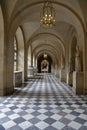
(70,18)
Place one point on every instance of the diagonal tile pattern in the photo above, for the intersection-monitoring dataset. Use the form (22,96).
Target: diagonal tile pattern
(43,103)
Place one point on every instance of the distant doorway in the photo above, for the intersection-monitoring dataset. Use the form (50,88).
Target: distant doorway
(44,64)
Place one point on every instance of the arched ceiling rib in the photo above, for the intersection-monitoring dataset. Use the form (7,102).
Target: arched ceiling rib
(54,60)
(24,3)
(47,36)
(44,46)
(52,48)
(47,48)
(27,14)
(36,10)
(32,8)
(67,12)
(48,39)
(56,56)
(72,6)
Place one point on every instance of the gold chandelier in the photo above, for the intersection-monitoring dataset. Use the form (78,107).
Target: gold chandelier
(47,15)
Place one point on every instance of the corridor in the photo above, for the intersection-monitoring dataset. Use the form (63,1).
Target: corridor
(43,103)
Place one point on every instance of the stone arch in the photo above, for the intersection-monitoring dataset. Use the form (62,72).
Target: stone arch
(32,4)
(71,10)
(52,55)
(40,60)
(50,48)
(20,41)
(79,20)
(9,61)
(60,41)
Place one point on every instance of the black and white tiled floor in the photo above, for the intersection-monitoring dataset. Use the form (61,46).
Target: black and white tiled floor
(43,104)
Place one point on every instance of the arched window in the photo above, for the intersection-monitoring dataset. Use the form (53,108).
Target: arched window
(15,55)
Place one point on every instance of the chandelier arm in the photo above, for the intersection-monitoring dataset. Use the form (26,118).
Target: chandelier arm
(48,15)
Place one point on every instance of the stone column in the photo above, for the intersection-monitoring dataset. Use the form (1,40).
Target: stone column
(31,59)
(25,64)
(8,68)
(78,82)
(77,59)
(63,70)
(85,65)
(1,54)
(30,68)
(63,75)
(30,71)
(78,76)
(70,73)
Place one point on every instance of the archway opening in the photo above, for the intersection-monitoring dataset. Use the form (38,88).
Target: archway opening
(44,64)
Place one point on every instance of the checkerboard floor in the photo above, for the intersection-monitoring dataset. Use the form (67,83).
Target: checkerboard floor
(43,103)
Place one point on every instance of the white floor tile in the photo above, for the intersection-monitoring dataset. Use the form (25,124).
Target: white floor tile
(74,125)
(25,125)
(42,125)
(58,125)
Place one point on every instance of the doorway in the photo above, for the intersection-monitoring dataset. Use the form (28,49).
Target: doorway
(44,64)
